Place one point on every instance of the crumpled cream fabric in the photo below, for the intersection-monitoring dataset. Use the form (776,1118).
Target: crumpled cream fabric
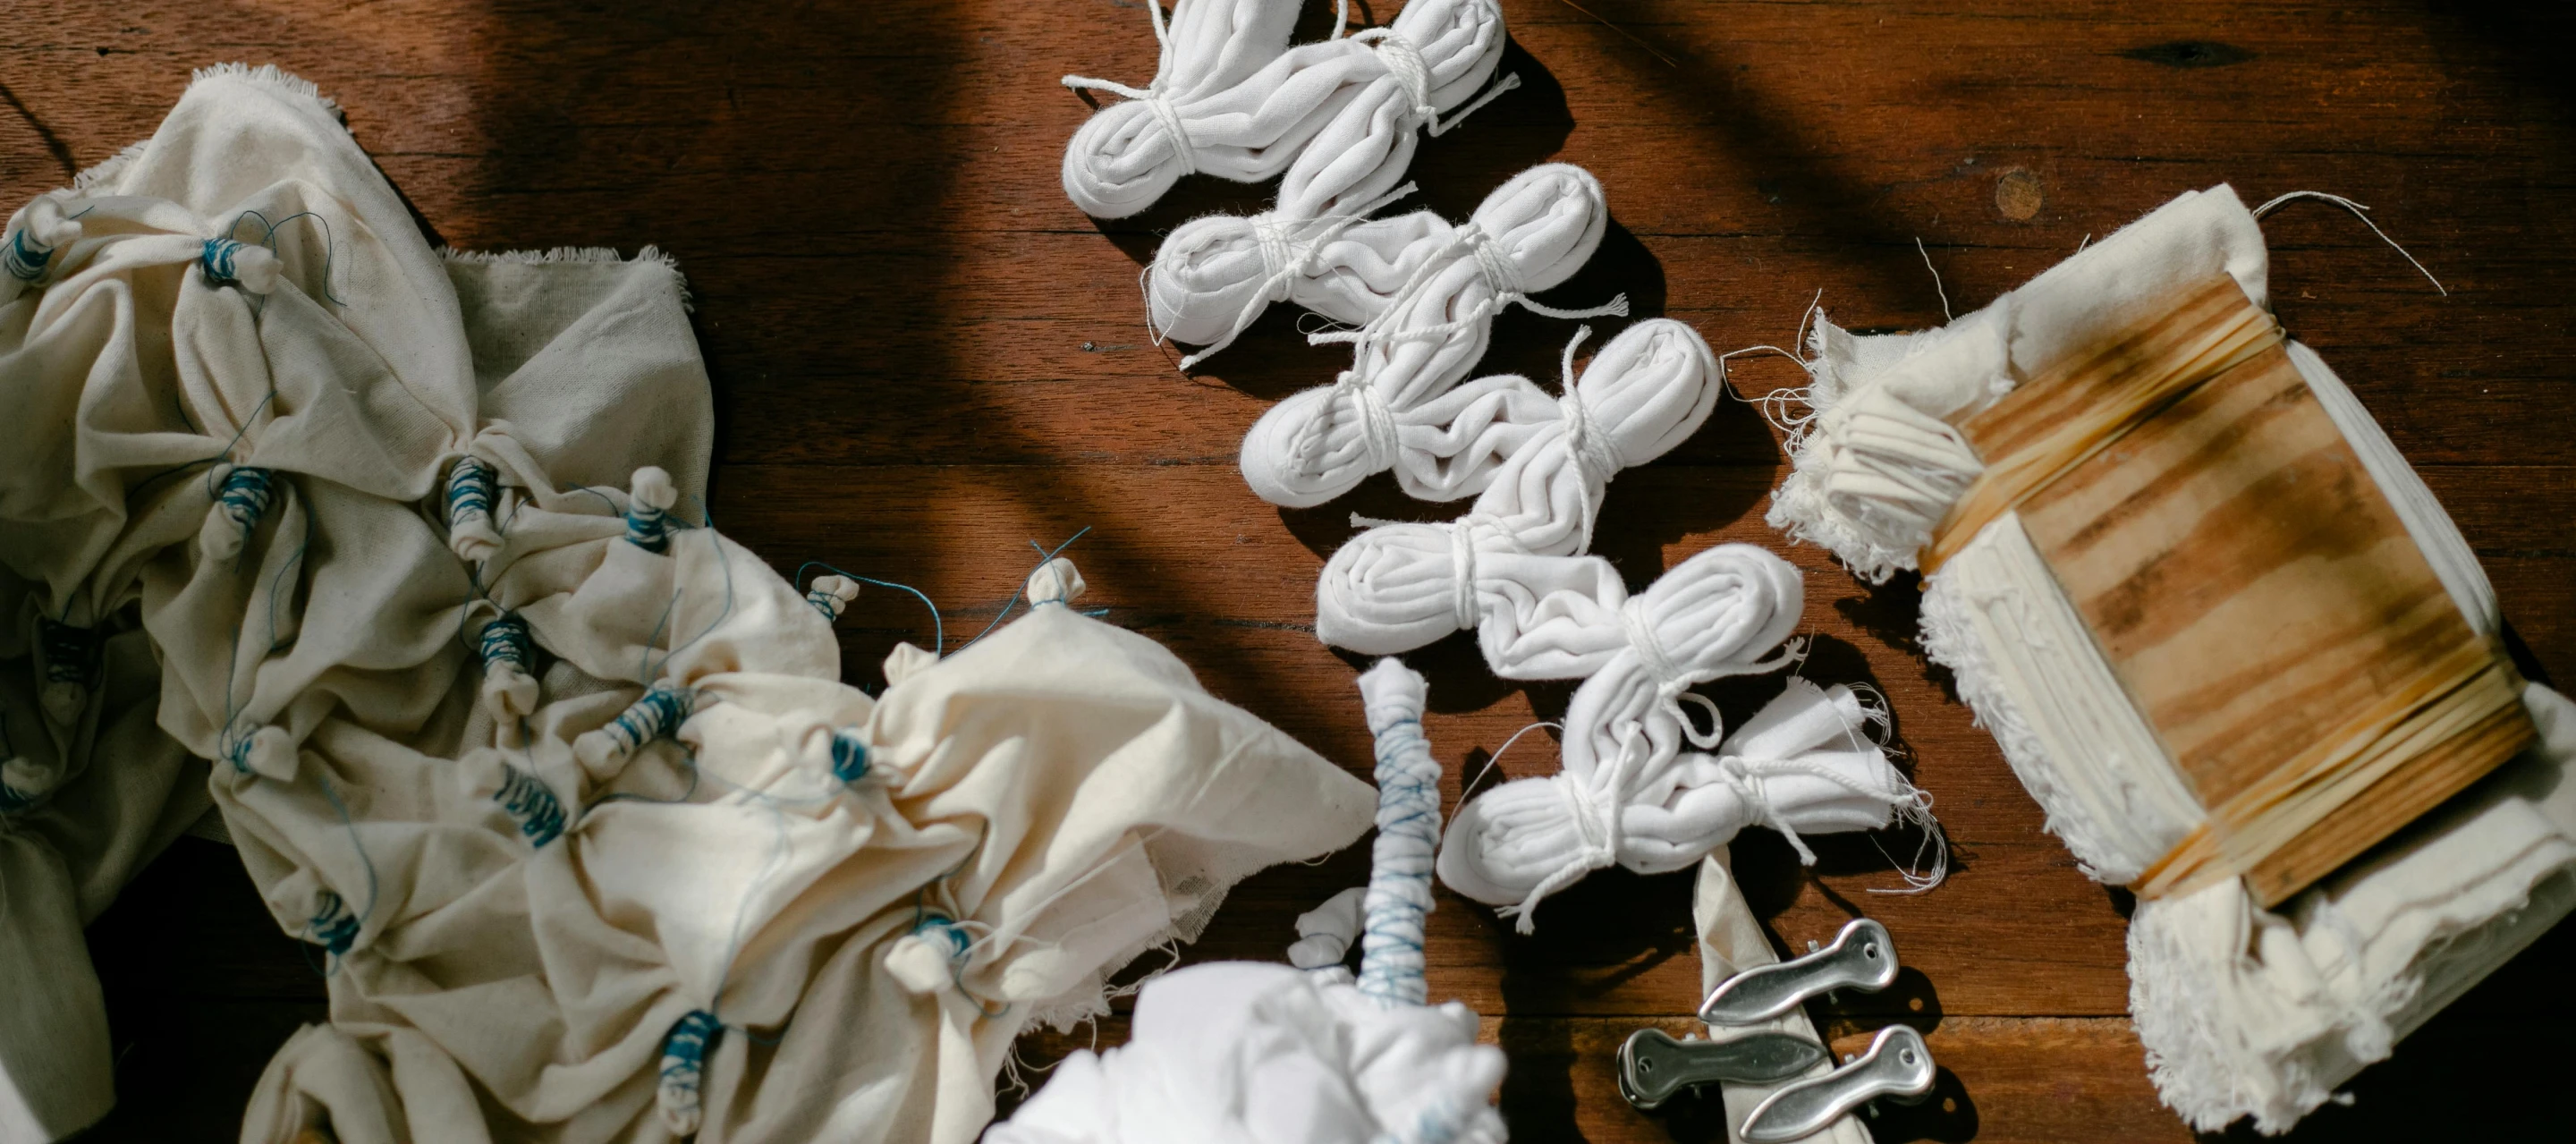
(547,909)
(1401,405)
(1335,120)
(1731,941)
(1247,1051)
(2245,1012)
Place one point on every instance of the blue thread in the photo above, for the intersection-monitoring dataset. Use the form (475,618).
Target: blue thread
(1044,555)
(684,1054)
(26,257)
(217,262)
(330,246)
(505,641)
(71,653)
(938,627)
(469,492)
(533,803)
(245,497)
(333,927)
(958,942)
(647,527)
(658,712)
(826,603)
(849,755)
(1399,893)
(13,800)
(238,754)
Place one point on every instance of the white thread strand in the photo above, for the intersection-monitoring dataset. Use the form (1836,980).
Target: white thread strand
(2360,212)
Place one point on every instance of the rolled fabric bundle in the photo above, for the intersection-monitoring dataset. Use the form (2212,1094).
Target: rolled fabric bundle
(1337,117)
(1712,616)
(1217,273)
(1127,154)
(1804,764)
(1532,233)
(1645,392)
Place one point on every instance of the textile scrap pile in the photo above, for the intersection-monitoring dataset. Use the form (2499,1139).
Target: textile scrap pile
(381,551)
(2107,478)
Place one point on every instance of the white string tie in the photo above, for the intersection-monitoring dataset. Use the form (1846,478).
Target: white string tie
(1289,249)
(1462,563)
(1377,422)
(1595,453)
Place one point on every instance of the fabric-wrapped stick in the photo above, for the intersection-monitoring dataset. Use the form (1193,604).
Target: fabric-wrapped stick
(1393,408)
(2225,636)
(1337,118)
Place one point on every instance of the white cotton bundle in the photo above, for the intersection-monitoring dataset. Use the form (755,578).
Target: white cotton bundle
(1127,154)
(1325,933)
(40,228)
(1386,411)
(1398,587)
(1336,117)
(1647,391)
(1802,765)
(1215,274)
(1714,615)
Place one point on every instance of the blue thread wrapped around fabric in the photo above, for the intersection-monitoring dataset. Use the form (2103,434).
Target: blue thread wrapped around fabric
(26,257)
(684,1055)
(532,803)
(505,641)
(849,755)
(333,927)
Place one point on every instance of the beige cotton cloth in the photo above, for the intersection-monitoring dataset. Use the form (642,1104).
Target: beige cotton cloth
(513,926)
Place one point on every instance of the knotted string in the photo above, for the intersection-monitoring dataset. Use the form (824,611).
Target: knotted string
(1404,61)
(243,497)
(1378,440)
(830,594)
(1152,95)
(1595,453)
(849,754)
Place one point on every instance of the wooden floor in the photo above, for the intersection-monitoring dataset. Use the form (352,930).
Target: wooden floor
(924,357)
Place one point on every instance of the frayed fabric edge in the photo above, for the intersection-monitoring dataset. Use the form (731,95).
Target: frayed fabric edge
(107,170)
(272,76)
(654,254)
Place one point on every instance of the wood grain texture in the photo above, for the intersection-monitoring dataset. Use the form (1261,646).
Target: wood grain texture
(925,357)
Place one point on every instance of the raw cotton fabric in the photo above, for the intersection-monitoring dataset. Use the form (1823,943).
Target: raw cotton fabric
(1335,121)
(1400,406)
(1731,941)
(2246,1012)
(1246,1051)
(1644,787)
(568,792)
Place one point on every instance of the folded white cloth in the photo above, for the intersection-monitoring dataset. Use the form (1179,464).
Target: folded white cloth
(1336,118)
(1396,405)
(2245,1012)
(1731,941)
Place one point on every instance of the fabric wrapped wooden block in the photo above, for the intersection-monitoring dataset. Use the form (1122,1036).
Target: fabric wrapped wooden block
(1400,406)
(2226,638)
(1336,118)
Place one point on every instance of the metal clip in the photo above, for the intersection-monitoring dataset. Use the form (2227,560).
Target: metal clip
(1898,1066)
(1653,1067)
(1861,957)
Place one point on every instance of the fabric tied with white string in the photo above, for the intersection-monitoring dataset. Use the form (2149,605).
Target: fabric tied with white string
(1336,121)
(1541,226)
(1633,757)
(1215,274)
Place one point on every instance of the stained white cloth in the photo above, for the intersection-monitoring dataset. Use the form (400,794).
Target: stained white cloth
(2245,1012)
(1400,405)
(1336,121)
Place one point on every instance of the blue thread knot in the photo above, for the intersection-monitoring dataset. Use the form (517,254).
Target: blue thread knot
(661,710)
(647,527)
(217,262)
(533,803)
(244,497)
(505,641)
(26,257)
(684,1054)
(333,927)
(469,491)
(849,755)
